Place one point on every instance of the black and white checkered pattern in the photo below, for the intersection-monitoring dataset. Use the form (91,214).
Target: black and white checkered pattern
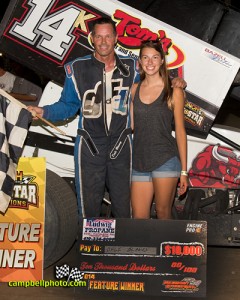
(62,271)
(25,179)
(76,274)
(14,122)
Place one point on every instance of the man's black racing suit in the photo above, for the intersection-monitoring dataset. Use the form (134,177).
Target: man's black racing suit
(102,155)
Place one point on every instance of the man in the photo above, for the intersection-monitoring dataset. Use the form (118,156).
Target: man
(98,86)
(6,78)
(18,87)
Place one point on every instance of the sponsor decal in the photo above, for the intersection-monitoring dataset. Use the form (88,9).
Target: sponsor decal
(25,192)
(187,285)
(53,29)
(193,114)
(99,230)
(22,226)
(216,166)
(217,57)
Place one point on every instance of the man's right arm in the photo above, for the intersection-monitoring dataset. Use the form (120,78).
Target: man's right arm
(35,110)
(67,106)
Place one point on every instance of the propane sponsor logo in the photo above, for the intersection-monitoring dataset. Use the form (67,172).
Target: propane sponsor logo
(99,230)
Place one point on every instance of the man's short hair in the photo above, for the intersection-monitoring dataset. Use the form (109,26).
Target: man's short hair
(104,20)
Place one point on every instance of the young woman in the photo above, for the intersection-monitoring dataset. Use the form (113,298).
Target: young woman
(159,159)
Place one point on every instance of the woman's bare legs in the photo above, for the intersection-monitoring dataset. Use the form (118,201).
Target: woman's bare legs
(164,190)
(141,199)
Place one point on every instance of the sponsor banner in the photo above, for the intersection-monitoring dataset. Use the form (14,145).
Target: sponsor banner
(99,230)
(146,257)
(52,32)
(22,226)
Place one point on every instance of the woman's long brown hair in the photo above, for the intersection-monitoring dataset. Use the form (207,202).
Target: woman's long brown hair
(163,71)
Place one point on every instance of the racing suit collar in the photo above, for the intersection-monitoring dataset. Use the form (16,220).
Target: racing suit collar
(119,64)
(122,68)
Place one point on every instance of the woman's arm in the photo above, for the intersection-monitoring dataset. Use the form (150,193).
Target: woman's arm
(181,136)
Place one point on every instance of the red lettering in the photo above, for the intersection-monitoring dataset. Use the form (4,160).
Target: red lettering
(130,35)
(125,20)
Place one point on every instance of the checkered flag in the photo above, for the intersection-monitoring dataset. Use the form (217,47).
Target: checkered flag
(24,179)
(62,271)
(76,274)
(14,122)
(27,179)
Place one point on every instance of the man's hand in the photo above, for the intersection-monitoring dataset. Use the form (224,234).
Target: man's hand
(35,110)
(179,83)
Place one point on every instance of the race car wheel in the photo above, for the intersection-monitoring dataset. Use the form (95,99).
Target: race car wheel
(61,218)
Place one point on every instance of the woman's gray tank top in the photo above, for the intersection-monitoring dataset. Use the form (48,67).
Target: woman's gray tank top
(153,143)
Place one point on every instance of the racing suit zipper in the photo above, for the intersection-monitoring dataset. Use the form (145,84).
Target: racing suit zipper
(104,103)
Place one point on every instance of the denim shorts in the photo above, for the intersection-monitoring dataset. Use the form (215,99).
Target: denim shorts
(171,168)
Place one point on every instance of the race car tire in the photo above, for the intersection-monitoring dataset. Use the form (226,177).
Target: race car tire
(61,218)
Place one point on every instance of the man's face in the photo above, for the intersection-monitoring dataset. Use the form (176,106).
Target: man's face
(2,71)
(104,40)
